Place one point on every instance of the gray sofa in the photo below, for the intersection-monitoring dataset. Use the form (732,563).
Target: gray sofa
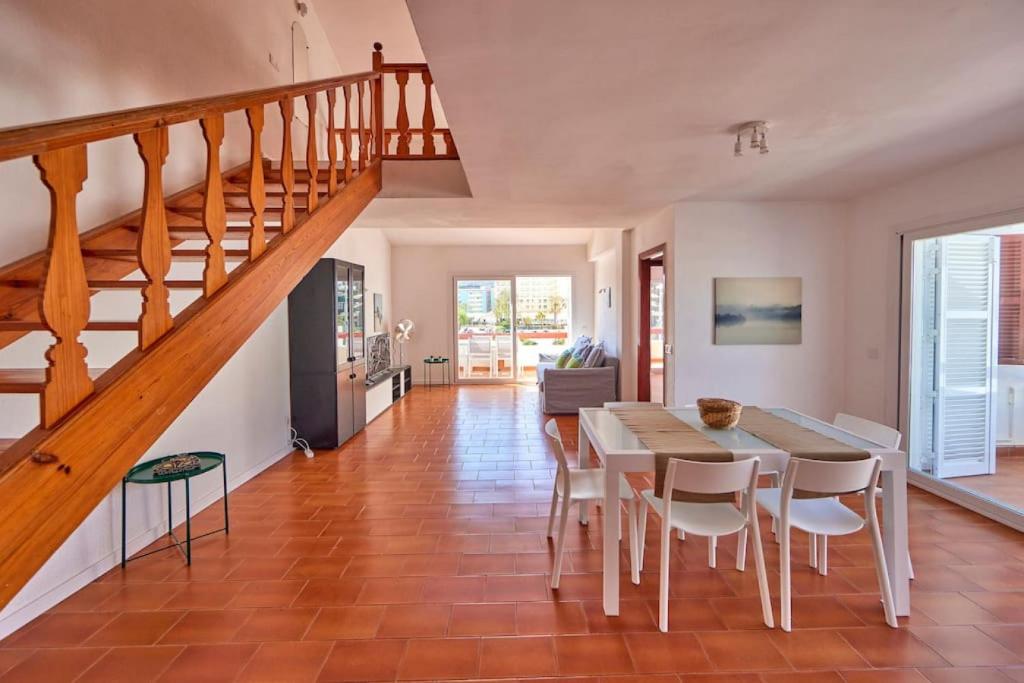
(567,390)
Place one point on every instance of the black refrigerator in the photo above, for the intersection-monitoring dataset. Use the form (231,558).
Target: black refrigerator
(327,353)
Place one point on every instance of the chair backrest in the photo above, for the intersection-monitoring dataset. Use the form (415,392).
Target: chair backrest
(478,344)
(551,429)
(881,434)
(830,477)
(504,344)
(710,478)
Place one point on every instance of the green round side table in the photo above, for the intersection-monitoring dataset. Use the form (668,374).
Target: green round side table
(143,474)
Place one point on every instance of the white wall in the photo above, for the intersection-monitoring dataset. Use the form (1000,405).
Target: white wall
(761,239)
(149,53)
(422,282)
(975,192)
(605,251)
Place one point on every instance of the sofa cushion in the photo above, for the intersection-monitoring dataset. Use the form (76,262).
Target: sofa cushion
(563,358)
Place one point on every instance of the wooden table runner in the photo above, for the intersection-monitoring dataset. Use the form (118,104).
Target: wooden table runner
(798,441)
(669,437)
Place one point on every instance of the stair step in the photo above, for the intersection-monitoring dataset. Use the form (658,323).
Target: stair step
(178,254)
(30,381)
(198,210)
(91,326)
(234,232)
(112,284)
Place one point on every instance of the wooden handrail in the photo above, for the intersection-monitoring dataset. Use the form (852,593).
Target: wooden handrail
(20,141)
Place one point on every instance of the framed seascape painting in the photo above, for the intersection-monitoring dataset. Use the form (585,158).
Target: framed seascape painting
(758,310)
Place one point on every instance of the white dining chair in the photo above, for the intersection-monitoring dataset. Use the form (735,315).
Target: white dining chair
(881,434)
(826,516)
(582,486)
(481,348)
(711,519)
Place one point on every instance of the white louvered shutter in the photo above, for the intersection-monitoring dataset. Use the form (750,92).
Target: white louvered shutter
(967,324)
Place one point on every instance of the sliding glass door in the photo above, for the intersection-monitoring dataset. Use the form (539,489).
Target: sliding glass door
(961,367)
(483,328)
(505,326)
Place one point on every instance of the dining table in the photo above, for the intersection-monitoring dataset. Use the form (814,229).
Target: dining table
(621,451)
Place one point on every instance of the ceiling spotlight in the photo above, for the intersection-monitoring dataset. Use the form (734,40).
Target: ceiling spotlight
(758,133)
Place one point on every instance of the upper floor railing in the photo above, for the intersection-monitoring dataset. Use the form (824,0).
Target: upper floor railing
(51,291)
(403,141)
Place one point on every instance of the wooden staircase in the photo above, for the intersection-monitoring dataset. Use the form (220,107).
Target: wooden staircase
(95,423)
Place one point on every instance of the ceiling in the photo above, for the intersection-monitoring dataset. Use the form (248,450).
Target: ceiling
(602,110)
(487,236)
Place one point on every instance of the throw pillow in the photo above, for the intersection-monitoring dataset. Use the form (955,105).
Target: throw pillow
(582,342)
(595,357)
(579,357)
(563,358)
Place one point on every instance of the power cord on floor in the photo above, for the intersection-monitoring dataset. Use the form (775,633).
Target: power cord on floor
(300,443)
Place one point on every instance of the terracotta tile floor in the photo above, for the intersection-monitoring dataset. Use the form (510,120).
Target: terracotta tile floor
(417,552)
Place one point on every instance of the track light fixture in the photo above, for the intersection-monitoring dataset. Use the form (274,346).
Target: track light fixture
(758,134)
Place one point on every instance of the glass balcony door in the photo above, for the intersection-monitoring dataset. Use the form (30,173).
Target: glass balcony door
(484,330)
(543,315)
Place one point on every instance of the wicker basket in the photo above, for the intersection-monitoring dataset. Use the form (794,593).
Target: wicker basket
(719,413)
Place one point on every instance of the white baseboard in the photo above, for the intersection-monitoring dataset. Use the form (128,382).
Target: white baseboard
(13,619)
(968,499)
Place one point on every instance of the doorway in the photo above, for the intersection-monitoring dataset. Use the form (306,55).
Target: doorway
(965,360)
(651,348)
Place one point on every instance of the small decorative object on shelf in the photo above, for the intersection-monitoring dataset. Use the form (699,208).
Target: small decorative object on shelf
(719,413)
(179,463)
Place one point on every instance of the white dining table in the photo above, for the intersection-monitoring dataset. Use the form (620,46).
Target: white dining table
(621,451)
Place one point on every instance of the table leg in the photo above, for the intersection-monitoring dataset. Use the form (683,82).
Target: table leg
(894,537)
(224,467)
(584,462)
(188,526)
(124,518)
(612,521)
(170,512)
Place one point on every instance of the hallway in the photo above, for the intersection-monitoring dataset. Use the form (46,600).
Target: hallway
(417,552)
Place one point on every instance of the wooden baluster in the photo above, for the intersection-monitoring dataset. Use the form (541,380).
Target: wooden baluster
(428,115)
(347,138)
(215,223)
(332,144)
(449,143)
(257,190)
(387,140)
(362,132)
(377,122)
(312,158)
(64,304)
(402,121)
(287,166)
(154,245)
